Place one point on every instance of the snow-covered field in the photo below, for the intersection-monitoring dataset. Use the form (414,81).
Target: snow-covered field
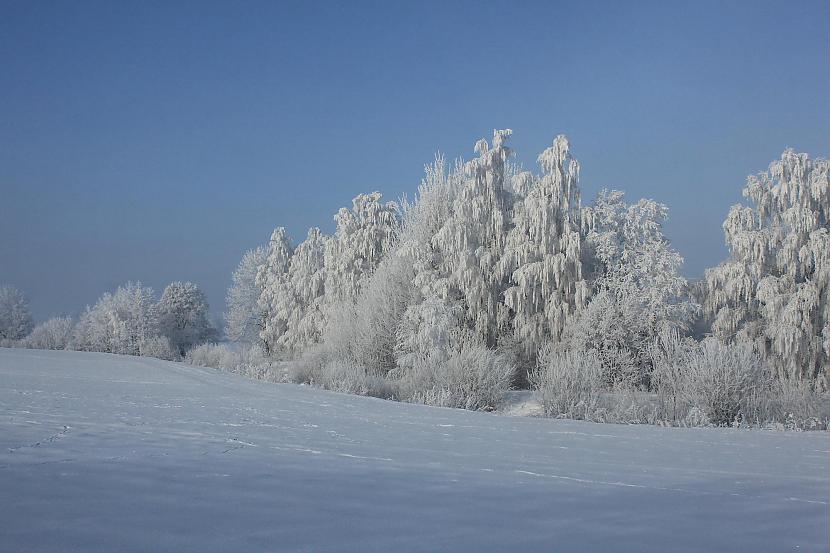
(107,453)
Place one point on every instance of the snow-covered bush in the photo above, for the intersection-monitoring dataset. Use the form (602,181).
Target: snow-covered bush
(470,376)
(320,366)
(54,333)
(215,356)
(244,319)
(722,378)
(15,318)
(710,382)
(793,404)
(568,383)
(183,316)
(249,361)
(669,355)
(159,347)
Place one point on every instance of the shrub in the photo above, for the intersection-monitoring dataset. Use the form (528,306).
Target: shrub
(215,356)
(471,376)
(158,347)
(569,384)
(792,403)
(721,380)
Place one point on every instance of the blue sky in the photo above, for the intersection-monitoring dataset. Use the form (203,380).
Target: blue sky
(158,141)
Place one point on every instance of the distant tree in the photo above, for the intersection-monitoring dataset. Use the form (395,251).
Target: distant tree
(119,322)
(183,315)
(244,318)
(54,333)
(15,318)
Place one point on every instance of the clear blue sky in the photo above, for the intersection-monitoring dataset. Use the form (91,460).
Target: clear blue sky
(158,141)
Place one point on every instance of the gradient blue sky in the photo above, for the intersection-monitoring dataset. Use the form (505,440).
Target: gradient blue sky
(156,141)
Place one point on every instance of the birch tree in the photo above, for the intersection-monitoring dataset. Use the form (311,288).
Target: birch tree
(275,286)
(773,289)
(543,252)
(244,319)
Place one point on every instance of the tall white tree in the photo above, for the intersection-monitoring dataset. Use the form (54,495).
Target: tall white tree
(15,318)
(244,318)
(304,303)
(773,290)
(473,237)
(272,279)
(183,315)
(543,254)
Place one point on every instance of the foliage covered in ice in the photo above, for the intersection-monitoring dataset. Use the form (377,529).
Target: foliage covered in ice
(773,290)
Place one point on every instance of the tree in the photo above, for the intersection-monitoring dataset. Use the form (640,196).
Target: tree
(118,322)
(15,318)
(305,302)
(364,235)
(244,319)
(543,253)
(637,289)
(54,333)
(473,237)
(272,279)
(774,288)
(183,316)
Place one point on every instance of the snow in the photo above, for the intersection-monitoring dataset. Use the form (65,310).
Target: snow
(101,452)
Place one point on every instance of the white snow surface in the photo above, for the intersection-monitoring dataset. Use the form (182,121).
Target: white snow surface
(101,452)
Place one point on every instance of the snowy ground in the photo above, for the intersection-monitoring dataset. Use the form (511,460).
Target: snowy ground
(107,453)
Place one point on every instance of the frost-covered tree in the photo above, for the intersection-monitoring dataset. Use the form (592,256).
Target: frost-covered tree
(429,314)
(244,319)
(272,279)
(183,316)
(54,333)
(364,235)
(118,322)
(15,318)
(773,290)
(304,302)
(637,289)
(543,253)
(473,237)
